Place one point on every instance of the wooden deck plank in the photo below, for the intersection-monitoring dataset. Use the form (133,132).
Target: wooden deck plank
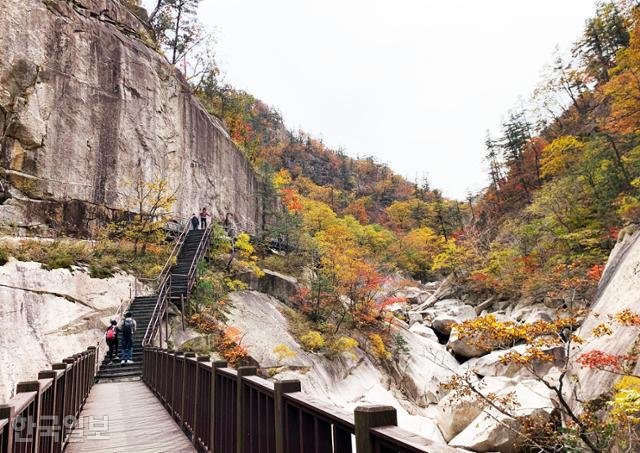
(135,421)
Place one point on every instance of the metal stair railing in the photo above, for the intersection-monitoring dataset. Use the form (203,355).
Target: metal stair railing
(164,288)
(193,266)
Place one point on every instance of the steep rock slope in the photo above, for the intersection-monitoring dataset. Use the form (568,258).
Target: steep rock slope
(619,290)
(347,380)
(46,316)
(86,107)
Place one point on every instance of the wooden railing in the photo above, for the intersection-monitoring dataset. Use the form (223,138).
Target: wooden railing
(223,410)
(40,417)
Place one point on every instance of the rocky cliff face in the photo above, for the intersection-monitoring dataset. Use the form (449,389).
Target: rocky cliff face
(86,107)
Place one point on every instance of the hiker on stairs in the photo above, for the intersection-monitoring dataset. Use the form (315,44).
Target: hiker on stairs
(195,222)
(112,340)
(127,327)
(203,218)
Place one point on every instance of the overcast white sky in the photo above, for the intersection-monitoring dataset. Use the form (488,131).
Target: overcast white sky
(415,83)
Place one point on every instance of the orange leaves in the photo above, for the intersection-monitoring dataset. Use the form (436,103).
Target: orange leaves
(230,348)
(291,200)
(595,272)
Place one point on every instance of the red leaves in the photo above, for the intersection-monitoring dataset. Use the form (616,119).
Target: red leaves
(600,360)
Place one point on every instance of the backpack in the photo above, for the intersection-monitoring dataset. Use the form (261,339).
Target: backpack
(111,333)
(127,327)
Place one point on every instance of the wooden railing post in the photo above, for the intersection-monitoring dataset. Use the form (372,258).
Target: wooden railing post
(174,390)
(367,417)
(72,378)
(280,388)
(63,407)
(93,354)
(9,413)
(194,433)
(240,434)
(214,370)
(33,386)
(182,405)
(55,424)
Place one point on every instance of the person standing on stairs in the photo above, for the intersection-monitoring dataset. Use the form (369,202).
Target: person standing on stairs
(203,218)
(230,227)
(127,327)
(195,223)
(112,340)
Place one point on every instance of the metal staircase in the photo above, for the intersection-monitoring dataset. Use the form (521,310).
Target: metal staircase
(174,283)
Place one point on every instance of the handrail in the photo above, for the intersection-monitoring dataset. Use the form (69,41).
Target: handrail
(225,410)
(193,267)
(174,253)
(162,276)
(164,289)
(41,415)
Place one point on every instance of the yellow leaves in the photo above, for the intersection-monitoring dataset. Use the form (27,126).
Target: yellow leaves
(625,405)
(559,155)
(532,355)
(246,254)
(488,333)
(601,330)
(627,318)
(378,347)
(312,340)
(344,345)
(418,250)
(317,216)
(623,88)
(283,352)
(282,179)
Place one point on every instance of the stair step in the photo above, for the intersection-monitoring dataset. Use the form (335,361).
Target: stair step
(122,374)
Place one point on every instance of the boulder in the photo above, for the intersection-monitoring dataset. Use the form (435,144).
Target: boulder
(424,331)
(455,413)
(424,366)
(527,312)
(278,285)
(446,313)
(411,293)
(445,289)
(414,318)
(490,364)
(492,430)
(348,380)
(468,346)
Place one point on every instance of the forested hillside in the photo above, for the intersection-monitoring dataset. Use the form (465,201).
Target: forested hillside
(563,169)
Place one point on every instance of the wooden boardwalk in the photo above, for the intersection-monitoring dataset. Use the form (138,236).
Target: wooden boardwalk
(135,422)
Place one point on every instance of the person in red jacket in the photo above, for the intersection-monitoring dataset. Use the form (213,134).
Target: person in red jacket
(112,340)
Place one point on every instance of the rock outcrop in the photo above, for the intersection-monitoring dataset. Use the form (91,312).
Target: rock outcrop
(619,290)
(46,316)
(493,431)
(348,380)
(87,109)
